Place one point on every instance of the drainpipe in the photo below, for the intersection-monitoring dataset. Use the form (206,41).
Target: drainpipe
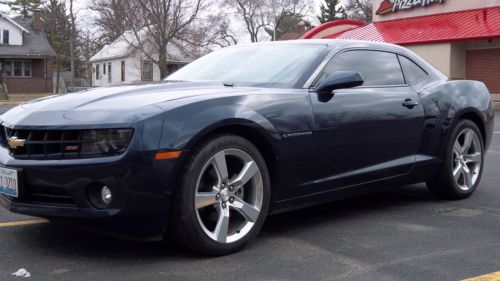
(45,75)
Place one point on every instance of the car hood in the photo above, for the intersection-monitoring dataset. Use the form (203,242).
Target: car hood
(112,105)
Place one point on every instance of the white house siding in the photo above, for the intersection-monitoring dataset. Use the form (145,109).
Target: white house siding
(132,71)
(15,34)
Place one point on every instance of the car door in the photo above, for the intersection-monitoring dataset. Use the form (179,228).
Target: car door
(366,133)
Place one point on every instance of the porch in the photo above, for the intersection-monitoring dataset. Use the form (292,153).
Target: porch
(26,76)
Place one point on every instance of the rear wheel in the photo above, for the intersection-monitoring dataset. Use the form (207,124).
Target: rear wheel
(223,197)
(462,168)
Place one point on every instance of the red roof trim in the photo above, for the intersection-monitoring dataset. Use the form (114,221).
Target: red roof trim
(449,40)
(311,33)
(458,26)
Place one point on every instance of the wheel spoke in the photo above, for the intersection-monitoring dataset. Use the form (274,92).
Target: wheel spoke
(249,212)
(205,199)
(222,227)
(219,164)
(246,174)
(465,169)
(469,134)
(457,172)
(458,148)
(467,177)
(474,157)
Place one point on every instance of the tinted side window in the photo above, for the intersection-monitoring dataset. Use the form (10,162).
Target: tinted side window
(377,68)
(412,72)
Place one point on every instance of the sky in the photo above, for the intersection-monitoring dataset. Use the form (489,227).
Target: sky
(85,16)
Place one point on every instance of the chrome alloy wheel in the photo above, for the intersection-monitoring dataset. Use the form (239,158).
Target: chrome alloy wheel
(229,195)
(467,159)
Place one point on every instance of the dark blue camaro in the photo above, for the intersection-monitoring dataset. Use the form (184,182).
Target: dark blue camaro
(241,133)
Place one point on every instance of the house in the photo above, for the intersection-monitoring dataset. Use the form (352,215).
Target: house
(25,55)
(123,62)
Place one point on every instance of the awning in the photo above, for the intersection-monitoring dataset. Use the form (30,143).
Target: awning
(448,27)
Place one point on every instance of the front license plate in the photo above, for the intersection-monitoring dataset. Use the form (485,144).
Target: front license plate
(9,184)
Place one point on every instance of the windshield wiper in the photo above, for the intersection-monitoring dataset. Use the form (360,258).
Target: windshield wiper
(177,81)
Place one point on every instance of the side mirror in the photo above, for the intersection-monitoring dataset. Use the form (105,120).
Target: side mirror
(340,80)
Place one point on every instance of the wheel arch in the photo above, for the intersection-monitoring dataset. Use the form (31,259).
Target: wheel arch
(453,118)
(265,142)
(475,117)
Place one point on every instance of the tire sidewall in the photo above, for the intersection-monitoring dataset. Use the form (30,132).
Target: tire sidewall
(186,213)
(463,124)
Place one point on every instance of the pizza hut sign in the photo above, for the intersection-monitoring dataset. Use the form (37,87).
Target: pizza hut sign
(392,6)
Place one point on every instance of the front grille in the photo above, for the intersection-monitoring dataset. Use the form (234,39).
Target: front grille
(52,144)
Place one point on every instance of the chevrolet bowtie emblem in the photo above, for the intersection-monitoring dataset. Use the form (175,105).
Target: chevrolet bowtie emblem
(14,142)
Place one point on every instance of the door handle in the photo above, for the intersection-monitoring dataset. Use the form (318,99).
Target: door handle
(409,103)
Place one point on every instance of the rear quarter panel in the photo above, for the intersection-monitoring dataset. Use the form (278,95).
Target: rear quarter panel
(445,103)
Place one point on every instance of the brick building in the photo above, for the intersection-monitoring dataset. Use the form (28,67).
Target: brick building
(25,55)
(460,38)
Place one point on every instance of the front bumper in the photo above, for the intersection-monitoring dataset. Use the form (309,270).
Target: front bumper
(57,190)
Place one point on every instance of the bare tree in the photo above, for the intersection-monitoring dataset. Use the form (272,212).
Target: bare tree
(164,20)
(287,14)
(256,14)
(24,7)
(88,45)
(259,15)
(72,41)
(219,31)
(359,9)
(112,16)
(214,31)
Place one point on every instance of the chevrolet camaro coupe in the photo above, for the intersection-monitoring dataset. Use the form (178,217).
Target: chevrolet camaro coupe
(204,156)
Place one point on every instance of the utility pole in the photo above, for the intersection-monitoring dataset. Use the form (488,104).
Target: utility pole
(72,45)
(275,21)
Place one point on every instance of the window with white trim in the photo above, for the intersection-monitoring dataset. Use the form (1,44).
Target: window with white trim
(4,37)
(147,70)
(123,71)
(110,78)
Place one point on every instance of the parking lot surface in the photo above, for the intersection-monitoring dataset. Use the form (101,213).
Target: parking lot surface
(404,234)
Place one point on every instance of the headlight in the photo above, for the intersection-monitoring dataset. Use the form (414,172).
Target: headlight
(105,141)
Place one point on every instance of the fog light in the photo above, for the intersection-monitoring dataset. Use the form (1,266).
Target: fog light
(99,195)
(106,195)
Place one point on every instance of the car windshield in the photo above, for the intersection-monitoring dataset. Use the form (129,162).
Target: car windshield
(277,65)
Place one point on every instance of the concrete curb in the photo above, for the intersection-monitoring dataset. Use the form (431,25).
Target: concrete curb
(7,102)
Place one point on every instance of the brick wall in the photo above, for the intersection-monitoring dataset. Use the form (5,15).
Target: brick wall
(484,65)
(37,83)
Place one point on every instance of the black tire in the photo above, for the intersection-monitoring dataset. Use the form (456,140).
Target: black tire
(185,225)
(444,185)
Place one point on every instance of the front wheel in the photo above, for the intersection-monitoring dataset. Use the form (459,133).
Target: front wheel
(462,167)
(223,196)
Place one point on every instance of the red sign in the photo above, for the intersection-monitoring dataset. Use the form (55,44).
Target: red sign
(392,6)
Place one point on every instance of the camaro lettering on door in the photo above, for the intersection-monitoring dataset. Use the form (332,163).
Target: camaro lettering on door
(298,134)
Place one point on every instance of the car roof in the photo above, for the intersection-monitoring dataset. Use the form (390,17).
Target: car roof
(334,42)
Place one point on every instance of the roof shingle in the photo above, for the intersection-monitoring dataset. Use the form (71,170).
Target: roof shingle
(35,44)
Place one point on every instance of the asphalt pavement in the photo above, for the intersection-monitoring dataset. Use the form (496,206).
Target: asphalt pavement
(404,234)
